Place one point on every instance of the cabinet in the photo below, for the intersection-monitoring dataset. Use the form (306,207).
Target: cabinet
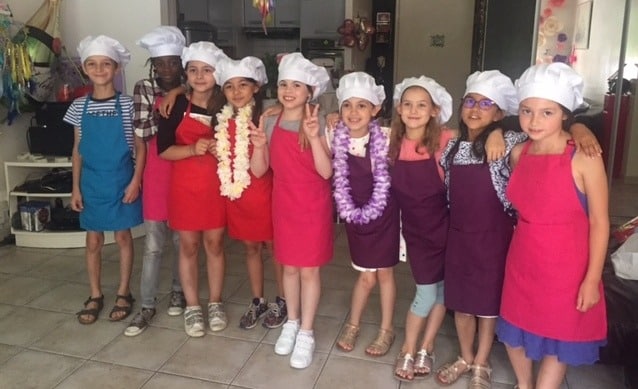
(15,174)
(321,19)
(193,10)
(285,15)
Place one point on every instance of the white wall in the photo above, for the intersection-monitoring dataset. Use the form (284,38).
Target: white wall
(631,56)
(124,20)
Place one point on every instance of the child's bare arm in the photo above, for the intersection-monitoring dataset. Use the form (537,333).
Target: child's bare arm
(592,180)
(259,161)
(585,140)
(76,169)
(169,100)
(318,143)
(133,189)
(495,145)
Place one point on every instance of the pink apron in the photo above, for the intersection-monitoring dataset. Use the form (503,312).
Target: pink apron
(549,252)
(301,204)
(156,181)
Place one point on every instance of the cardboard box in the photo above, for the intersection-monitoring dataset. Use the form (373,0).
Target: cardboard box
(35,215)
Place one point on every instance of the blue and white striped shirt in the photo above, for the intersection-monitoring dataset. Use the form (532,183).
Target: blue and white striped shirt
(104,108)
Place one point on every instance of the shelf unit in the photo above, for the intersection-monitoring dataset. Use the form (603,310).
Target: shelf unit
(15,174)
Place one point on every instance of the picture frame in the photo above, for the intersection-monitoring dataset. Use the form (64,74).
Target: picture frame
(582,25)
(384,17)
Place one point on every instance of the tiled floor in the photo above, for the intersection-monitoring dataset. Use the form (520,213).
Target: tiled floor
(43,346)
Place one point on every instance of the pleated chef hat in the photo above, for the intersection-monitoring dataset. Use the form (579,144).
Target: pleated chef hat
(555,81)
(295,67)
(495,86)
(361,85)
(163,41)
(439,95)
(247,67)
(203,51)
(103,45)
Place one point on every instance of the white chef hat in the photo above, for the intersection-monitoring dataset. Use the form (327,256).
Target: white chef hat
(495,86)
(361,85)
(163,41)
(295,67)
(555,81)
(103,45)
(439,95)
(247,67)
(203,51)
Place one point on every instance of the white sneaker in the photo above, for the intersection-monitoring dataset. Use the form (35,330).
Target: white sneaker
(301,356)
(194,321)
(286,340)
(217,319)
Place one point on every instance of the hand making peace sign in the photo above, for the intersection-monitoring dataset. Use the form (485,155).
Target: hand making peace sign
(310,123)
(257,134)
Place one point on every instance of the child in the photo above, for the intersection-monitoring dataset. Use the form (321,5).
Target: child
(106,180)
(481,224)
(552,309)
(302,206)
(362,197)
(246,184)
(196,208)
(417,139)
(165,44)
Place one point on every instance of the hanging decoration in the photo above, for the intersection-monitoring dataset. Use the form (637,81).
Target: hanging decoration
(356,33)
(265,7)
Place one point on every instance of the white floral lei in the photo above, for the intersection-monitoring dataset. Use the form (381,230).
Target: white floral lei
(234,179)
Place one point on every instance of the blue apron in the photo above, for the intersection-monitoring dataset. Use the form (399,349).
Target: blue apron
(107,169)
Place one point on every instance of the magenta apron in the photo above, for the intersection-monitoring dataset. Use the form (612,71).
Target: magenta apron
(107,169)
(301,204)
(156,182)
(375,244)
(421,197)
(549,253)
(478,239)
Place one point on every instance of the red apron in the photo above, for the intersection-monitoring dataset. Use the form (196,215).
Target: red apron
(156,181)
(549,253)
(249,217)
(195,203)
(301,204)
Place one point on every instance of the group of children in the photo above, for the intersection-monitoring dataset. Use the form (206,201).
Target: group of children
(216,163)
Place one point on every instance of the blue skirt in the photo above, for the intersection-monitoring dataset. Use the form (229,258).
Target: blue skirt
(536,347)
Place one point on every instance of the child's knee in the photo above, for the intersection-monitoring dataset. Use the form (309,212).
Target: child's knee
(123,238)
(424,299)
(368,279)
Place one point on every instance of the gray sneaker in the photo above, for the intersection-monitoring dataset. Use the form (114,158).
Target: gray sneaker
(256,309)
(194,321)
(217,320)
(277,314)
(140,322)
(177,304)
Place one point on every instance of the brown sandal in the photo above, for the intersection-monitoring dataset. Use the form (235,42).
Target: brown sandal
(405,365)
(348,337)
(92,313)
(423,364)
(381,345)
(125,309)
(450,372)
(481,377)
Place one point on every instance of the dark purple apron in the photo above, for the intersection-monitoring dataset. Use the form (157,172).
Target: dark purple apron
(376,244)
(479,236)
(421,197)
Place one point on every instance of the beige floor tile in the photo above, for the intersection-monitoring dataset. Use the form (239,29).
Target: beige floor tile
(7,352)
(596,376)
(334,277)
(63,298)
(63,339)
(265,370)
(243,294)
(17,261)
(334,303)
(142,351)
(6,309)
(212,358)
(20,290)
(501,368)
(349,373)
(35,369)
(26,325)
(168,381)
(59,268)
(105,375)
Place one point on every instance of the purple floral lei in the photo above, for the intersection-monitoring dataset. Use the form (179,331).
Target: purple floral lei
(380,176)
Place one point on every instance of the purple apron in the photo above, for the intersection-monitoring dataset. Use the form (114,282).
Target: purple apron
(479,236)
(376,244)
(421,197)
